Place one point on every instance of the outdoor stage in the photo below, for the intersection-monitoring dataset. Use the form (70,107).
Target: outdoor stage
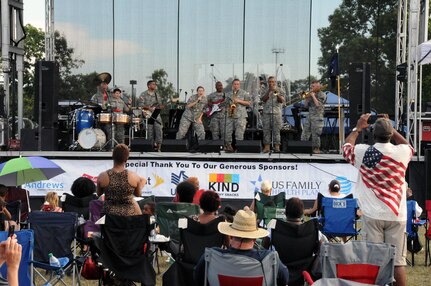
(235,176)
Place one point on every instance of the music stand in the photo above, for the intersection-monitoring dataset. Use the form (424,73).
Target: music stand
(153,117)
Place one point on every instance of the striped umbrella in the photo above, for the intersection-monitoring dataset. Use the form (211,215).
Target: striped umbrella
(19,171)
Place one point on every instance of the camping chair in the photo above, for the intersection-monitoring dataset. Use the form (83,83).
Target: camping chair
(15,211)
(297,245)
(168,215)
(26,239)
(122,246)
(54,233)
(15,194)
(80,206)
(194,238)
(359,261)
(428,233)
(95,210)
(269,207)
(150,199)
(227,269)
(413,244)
(339,218)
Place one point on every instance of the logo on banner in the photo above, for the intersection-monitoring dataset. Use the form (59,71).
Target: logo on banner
(224,183)
(256,184)
(176,179)
(159,180)
(88,176)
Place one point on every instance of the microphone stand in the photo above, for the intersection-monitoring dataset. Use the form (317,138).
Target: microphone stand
(226,100)
(112,139)
(272,123)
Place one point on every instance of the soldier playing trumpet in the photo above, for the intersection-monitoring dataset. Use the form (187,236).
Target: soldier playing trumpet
(273,99)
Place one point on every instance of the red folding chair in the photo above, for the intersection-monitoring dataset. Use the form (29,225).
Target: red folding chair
(428,233)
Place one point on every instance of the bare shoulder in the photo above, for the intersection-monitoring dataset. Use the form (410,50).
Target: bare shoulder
(103,179)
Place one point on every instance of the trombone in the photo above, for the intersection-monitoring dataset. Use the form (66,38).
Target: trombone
(303,95)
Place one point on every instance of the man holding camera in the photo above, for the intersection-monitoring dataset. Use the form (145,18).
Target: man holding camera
(381,186)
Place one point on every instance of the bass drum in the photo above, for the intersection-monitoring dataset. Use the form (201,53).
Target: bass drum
(91,138)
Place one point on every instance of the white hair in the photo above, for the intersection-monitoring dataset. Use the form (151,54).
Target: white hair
(266,186)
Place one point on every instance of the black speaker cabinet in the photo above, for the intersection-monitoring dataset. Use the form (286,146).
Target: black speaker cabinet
(210,146)
(359,91)
(305,147)
(30,137)
(45,88)
(142,145)
(174,145)
(248,146)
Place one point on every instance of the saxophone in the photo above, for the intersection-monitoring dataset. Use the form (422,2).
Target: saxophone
(232,106)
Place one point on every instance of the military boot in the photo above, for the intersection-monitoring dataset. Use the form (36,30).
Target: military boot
(228,148)
(266,148)
(277,148)
(159,147)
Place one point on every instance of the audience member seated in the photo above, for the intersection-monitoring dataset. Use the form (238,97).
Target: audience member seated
(51,203)
(119,185)
(149,208)
(410,197)
(198,191)
(83,187)
(12,194)
(185,192)
(10,252)
(243,233)
(333,192)
(266,189)
(209,203)
(228,213)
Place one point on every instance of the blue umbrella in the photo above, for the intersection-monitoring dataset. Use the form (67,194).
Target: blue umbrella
(19,171)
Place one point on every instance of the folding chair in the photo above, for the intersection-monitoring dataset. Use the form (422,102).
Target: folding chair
(15,211)
(78,205)
(359,261)
(15,194)
(143,202)
(95,211)
(54,233)
(297,245)
(122,248)
(267,207)
(428,233)
(339,218)
(168,215)
(26,239)
(412,226)
(194,238)
(226,269)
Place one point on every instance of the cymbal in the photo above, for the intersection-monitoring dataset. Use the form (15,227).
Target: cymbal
(103,77)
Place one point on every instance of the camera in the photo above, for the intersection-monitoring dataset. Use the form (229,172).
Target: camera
(372,119)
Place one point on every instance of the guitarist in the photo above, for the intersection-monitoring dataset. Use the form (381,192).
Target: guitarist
(216,105)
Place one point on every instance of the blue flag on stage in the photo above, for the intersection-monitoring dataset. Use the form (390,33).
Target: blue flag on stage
(333,70)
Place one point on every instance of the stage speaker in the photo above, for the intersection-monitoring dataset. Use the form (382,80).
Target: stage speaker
(305,147)
(428,171)
(248,146)
(142,145)
(210,146)
(359,91)
(45,89)
(174,145)
(30,137)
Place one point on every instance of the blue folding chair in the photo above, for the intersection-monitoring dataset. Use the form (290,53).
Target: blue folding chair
(26,239)
(339,218)
(412,229)
(54,233)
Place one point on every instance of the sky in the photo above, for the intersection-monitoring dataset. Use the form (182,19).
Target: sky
(210,38)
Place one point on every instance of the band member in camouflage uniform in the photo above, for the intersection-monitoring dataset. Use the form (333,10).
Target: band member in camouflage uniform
(103,98)
(119,106)
(314,124)
(236,103)
(216,101)
(149,100)
(273,99)
(196,105)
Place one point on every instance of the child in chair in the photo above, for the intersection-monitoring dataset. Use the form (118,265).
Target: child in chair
(51,203)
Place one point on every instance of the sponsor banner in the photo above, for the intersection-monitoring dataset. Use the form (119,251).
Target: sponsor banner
(236,180)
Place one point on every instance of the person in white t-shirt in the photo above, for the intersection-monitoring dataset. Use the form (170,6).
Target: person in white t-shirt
(381,186)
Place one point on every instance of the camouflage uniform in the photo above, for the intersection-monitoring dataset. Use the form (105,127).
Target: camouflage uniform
(272,107)
(99,99)
(118,106)
(238,121)
(218,118)
(155,131)
(191,116)
(314,123)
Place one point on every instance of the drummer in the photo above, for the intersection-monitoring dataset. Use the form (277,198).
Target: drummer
(119,105)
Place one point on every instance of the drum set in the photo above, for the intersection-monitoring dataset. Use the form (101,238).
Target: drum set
(89,126)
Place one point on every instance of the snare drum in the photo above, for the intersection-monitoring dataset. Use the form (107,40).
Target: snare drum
(121,118)
(91,138)
(84,119)
(104,117)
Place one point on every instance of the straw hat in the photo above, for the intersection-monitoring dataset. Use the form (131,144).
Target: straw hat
(244,226)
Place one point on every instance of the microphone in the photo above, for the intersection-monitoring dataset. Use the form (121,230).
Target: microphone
(224,94)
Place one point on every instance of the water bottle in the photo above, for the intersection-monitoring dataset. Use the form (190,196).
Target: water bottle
(53,261)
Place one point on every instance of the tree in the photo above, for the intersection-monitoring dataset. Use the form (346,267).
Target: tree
(301,85)
(366,30)
(165,88)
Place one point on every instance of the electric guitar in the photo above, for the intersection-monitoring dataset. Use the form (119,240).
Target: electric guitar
(214,108)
